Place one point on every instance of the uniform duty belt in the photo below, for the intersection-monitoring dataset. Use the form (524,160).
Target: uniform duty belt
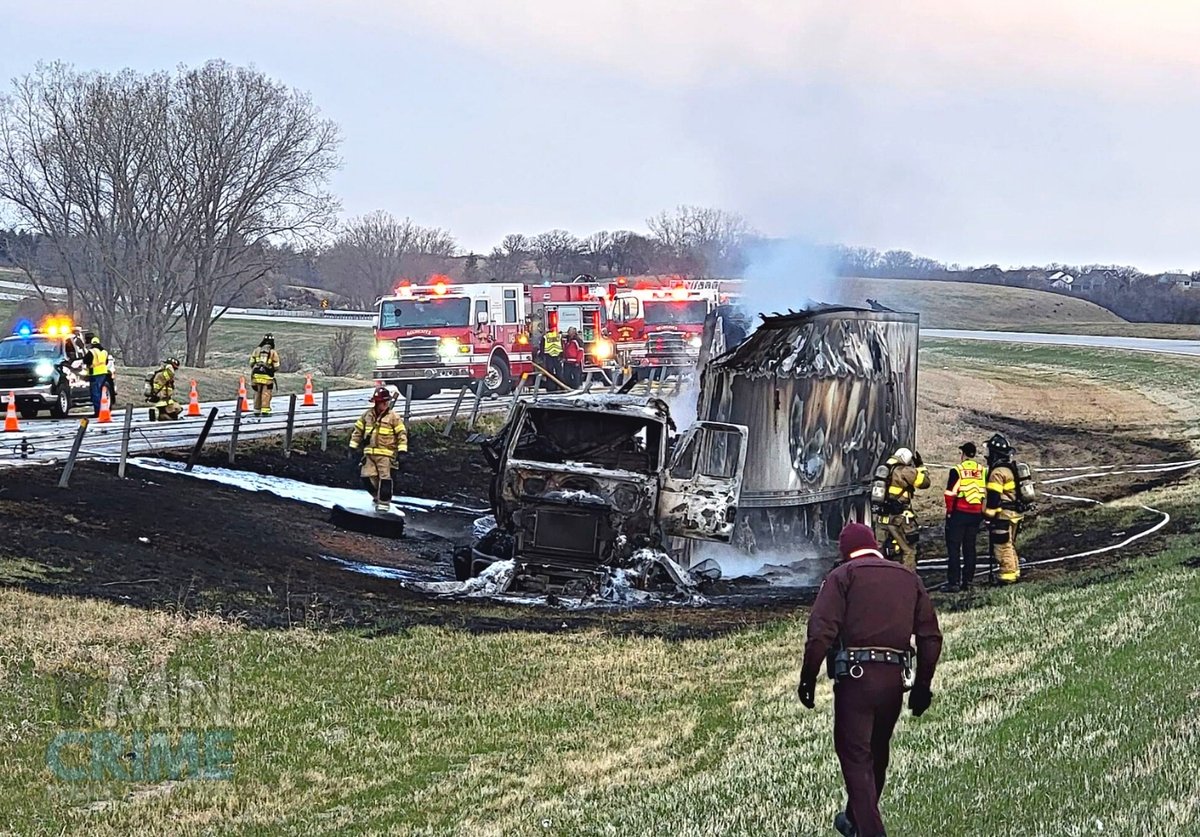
(876,655)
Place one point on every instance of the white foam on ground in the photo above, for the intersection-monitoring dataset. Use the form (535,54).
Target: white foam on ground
(289,489)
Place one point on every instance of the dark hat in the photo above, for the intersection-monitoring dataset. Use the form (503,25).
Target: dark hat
(968,448)
(857,539)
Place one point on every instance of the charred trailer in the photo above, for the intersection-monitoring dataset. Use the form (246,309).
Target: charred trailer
(826,395)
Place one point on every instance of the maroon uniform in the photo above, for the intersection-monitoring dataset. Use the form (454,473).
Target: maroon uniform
(869,603)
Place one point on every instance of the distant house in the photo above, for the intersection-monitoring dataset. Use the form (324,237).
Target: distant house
(1060,280)
(1099,279)
(1182,281)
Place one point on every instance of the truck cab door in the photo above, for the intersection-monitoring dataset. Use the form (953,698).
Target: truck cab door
(700,490)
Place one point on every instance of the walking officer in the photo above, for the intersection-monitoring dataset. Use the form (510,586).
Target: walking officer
(861,625)
(966,490)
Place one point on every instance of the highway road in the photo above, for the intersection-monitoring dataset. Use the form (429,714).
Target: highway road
(46,440)
(1086,341)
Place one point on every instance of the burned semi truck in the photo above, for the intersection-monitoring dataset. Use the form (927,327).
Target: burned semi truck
(826,395)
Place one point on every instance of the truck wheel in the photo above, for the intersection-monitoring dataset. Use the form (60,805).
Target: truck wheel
(62,405)
(421,391)
(28,413)
(498,380)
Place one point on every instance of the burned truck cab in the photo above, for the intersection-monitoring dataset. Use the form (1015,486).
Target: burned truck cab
(586,485)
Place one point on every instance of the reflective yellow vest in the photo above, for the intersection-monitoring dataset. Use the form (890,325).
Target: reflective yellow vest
(99,361)
(552,344)
(970,490)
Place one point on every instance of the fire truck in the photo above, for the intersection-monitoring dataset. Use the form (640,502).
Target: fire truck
(657,321)
(443,334)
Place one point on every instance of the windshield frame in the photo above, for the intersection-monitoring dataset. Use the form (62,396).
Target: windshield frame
(398,305)
(686,307)
(53,344)
(655,459)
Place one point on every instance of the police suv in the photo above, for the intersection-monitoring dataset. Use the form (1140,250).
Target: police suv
(44,369)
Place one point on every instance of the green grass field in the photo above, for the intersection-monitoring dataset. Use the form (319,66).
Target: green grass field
(1061,708)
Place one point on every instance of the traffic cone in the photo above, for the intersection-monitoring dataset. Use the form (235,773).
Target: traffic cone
(193,401)
(243,403)
(309,401)
(11,425)
(105,416)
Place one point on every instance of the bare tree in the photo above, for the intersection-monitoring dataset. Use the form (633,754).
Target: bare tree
(554,251)
(703,239)
(156,198)
(594,251)
(506,261)
(341,353)
(252,158)
(373,252)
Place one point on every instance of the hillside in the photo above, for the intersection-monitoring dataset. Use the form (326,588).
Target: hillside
(968,305)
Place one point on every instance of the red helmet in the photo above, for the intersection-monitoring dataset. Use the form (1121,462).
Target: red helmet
(381,394)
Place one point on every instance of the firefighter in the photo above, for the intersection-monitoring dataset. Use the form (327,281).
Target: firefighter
(550,349)
(264,363)
(861,625)
(966,491)
(573,353)
(99,366)
(905,474)
(1001,508)
(381,436)
(162,392)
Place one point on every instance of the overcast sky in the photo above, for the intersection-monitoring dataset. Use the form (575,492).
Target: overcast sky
(1014,132)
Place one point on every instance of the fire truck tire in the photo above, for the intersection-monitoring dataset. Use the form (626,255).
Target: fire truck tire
(28,413)
(62,403)
(499,378)
(422,391)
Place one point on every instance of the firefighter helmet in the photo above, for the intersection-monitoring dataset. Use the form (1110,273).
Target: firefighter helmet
(172,361)
(381,394)
(268,340)
(998,444)
(904,455)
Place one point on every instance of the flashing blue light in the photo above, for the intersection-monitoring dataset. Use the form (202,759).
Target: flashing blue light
(24,329)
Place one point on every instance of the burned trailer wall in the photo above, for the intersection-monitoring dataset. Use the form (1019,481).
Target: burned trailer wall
(826,395)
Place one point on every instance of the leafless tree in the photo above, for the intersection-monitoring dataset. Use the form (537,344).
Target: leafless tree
(373,252)
(155,198)
(703,239)
(554,251)
(505,262)
(594,251)
(341,353)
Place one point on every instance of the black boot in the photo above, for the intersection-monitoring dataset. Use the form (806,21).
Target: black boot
(843,825)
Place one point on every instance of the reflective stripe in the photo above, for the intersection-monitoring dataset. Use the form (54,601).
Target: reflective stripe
(99,362)
(971,488)
(868,551)
(552,343)
(379,452)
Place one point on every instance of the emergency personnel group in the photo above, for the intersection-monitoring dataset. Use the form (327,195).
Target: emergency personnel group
(873,625)
(998,492)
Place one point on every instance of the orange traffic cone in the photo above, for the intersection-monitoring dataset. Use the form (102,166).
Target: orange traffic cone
(193,401)
(11,425)
(243,403)
(309,401)
(105,416)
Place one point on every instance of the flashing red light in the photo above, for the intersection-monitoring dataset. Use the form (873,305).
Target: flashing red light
(622,281)
(679,292)
(552,320)
(440,288)
(522,339)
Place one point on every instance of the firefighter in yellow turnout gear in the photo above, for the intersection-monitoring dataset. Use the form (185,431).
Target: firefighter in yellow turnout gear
(894,519)
(264,363)
(164,407)
(1002,509)
(381,436)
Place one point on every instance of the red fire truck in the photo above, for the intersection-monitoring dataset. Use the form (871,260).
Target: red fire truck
(443,334)
(657,321)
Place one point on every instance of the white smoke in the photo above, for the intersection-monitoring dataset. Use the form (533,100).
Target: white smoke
(799,567)
(785,274)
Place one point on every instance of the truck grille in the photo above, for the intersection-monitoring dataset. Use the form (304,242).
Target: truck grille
(666,344)
(421,351)
(566,538)
(16,380)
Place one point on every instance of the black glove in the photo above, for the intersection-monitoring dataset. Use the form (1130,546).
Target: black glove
(353,455)
(917,460)
(919,699)
(807,690)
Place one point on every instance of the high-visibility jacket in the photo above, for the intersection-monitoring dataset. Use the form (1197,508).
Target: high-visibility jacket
(263,359)
(966,488)
(380,435)
(552,343)
(904,481)
(1001,490)
(99,360)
